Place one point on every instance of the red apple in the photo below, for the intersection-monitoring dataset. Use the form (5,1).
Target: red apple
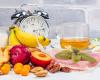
(20,53)
(40,59)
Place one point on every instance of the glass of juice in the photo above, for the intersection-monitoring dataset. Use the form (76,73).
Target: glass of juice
(74,34)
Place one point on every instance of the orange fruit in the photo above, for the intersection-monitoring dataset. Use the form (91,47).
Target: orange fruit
(27,67)
(25,70)
(5,69)
(18,67)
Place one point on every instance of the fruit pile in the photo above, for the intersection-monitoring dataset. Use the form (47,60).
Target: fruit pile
(23,60)
(23,56)
(22,53)
(17,36)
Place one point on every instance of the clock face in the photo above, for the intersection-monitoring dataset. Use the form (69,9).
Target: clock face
(35,25)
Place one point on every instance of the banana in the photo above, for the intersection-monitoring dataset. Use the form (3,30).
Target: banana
(26,38)
(41,39)
(44,41)
(12,38)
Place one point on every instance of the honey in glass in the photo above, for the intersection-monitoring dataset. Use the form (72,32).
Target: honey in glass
(80,43)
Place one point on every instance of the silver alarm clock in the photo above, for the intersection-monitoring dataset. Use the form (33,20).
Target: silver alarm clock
(34,23)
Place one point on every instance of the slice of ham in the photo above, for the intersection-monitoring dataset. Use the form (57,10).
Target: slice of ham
(96,56)
(81,65)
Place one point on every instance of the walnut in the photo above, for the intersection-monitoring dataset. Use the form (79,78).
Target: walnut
(65,69)
(50,65)
(55,68)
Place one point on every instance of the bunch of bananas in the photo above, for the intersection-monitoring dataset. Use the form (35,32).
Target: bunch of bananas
(17,36)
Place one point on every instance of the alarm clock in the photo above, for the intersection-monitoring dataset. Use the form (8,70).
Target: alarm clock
(34,23)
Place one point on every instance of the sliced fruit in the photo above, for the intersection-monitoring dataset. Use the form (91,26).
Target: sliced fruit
(40,58)
(4,55)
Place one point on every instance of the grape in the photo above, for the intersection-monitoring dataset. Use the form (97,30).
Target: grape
(76,58)
(65,54)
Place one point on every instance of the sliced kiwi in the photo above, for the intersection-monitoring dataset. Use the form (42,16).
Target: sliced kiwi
(87,57)
(65,54)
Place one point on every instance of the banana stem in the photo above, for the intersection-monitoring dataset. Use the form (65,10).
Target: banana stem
(12,27)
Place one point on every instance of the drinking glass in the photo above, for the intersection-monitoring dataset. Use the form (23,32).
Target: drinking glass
(73,34)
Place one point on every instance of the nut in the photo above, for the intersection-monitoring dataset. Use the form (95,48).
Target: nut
(55,68)
(65,69)
(42,73)
(50,65)
(37,69)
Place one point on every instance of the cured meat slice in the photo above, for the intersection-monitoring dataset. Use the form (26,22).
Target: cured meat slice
(81,65)
(96,56)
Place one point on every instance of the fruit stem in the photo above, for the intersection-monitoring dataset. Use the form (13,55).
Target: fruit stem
(12,27)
